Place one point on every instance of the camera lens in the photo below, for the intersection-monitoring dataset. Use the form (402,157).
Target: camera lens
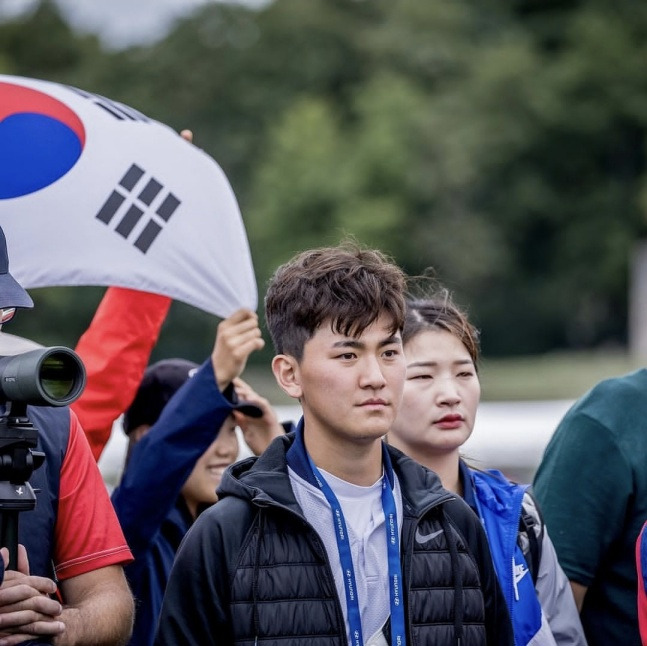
(45,377)
(58,375)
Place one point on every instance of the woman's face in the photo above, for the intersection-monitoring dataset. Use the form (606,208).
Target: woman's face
(441,394)
(200,487)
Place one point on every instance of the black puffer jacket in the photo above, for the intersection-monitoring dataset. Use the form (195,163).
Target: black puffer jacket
(252,570)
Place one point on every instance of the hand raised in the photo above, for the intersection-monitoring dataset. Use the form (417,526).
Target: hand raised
(237,337)
(257,431)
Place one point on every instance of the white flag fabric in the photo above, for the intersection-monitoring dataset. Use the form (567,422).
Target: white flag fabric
(93,192)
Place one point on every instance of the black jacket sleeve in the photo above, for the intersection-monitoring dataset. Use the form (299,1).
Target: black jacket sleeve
(195,611)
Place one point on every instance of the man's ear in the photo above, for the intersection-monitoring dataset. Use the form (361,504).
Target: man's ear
(286,372)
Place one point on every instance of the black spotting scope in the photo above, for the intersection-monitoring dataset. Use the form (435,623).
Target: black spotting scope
(41,377)
(52,376)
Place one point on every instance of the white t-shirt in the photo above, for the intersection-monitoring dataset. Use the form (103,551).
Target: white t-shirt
(364,516)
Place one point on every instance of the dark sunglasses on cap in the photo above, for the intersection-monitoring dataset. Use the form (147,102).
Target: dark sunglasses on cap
(7,315)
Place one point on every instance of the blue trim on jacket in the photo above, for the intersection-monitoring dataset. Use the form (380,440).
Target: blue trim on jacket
(497,501)
(152,512)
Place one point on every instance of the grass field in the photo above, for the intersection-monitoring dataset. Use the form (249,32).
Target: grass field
(564,375)
(551,376)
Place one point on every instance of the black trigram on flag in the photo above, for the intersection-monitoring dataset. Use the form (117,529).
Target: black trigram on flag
(132,200)
(113,108)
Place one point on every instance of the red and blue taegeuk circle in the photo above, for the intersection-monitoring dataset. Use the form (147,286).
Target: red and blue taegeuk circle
(40,140)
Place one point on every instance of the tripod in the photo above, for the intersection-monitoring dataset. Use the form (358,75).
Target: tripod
(18,438)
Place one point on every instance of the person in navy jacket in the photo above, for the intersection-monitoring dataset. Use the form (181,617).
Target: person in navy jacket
(67,585)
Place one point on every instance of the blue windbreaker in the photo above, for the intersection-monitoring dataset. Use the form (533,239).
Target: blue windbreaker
(497,501)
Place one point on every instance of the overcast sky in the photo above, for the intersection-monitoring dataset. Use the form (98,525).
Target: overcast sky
(119,23)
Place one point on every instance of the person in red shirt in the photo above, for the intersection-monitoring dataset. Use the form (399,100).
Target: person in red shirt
(73,544)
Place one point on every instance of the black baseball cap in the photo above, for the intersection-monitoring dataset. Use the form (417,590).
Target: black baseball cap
(11,293)
(160,382)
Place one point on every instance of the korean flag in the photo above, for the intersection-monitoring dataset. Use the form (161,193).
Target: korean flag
(93,192)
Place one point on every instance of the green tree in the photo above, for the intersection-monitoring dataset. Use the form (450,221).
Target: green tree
(41,44)
(502,144)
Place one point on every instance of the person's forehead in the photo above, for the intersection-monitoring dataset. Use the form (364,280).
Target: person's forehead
(435,345)
(381,328)
(229,424)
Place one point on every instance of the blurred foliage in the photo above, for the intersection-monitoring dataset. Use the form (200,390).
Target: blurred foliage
(501,143)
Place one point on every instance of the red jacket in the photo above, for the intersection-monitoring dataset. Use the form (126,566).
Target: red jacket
(115,349)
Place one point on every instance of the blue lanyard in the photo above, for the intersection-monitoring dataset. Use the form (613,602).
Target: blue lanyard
(398,637)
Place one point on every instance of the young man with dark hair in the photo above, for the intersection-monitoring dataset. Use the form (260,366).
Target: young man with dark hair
(331,537)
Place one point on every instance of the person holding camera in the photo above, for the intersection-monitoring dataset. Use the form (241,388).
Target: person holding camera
(181,429)
(68,586)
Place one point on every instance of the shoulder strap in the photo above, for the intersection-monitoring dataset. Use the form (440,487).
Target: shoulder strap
(37,527)
(531,534)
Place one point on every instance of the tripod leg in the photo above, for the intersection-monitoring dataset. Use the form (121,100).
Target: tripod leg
(9,536)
